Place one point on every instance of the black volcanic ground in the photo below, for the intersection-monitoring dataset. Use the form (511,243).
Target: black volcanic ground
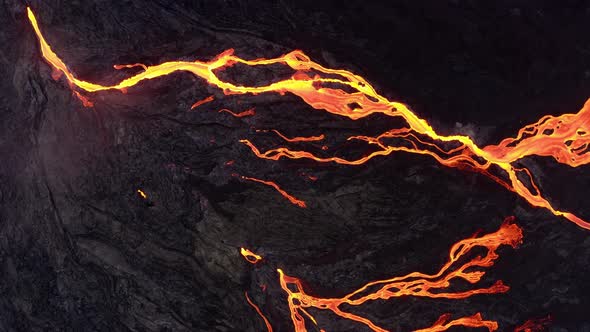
(81,251)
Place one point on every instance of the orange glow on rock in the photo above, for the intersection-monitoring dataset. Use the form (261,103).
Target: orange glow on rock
(56,74)
(85,101)
(534,325)
(266,322)
(248,112)
(250,256)
(461,265)
(565,138)
(285,194)
(296,139)
(203,101)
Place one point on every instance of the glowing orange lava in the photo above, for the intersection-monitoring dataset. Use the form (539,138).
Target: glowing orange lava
(460,266)
(248,112)
(295,139)
(266,322)
(565,138)
(285,194)
(250,256)
(203,101)
(141,193)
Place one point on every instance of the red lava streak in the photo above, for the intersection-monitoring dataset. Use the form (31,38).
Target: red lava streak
(461,265)
(203,101)
(565,138)
(534,325)
(248,112)
(266,322)
(118,67)
(296,139)
(285,194)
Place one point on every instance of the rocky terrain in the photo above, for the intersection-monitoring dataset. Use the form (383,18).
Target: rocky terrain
(81,250)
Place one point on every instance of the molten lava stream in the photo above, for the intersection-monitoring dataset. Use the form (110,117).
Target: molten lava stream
(285,194)
(462,264)
(566,138)
(266,322)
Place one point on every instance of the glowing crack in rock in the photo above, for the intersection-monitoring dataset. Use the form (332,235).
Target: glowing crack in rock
(266,322)
(285,194)
(444,323)
(565,138)
(86,102)
(248,112)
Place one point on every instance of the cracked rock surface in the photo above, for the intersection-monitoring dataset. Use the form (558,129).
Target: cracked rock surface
(81,250)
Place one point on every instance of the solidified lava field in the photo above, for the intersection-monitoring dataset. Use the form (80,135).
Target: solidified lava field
(408,146)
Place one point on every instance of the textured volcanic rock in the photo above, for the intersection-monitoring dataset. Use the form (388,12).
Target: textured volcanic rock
(80,250)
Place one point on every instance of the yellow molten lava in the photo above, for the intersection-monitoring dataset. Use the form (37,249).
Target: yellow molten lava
(142,193)
(250,256)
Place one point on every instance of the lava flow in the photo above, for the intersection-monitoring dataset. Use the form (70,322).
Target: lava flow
(414,284)
(202,101)
(250,256)
(248,112)
(266,322)
(285,194)
(565,138)
(85,101)
(462,264)
(294,139)
(443,323)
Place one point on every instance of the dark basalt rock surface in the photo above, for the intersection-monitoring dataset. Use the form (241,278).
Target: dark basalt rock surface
(81,251)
